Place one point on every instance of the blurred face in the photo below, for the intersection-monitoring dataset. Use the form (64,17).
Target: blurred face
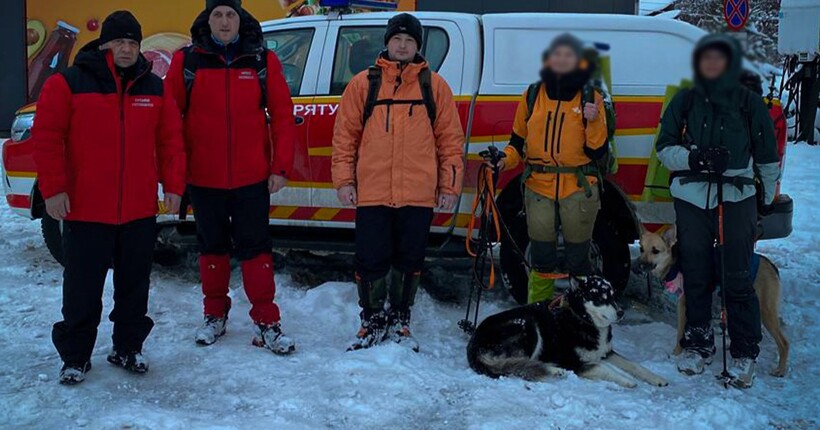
(224,22)
(402,47)
(125,51)
(712,64)
(563,60)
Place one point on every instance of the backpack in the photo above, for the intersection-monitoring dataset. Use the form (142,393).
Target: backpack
(689,100)
(608,164)
(374,77)
(190,65)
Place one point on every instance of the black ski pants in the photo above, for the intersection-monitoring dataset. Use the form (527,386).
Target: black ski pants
(388,237)
(697,230)
(90,249)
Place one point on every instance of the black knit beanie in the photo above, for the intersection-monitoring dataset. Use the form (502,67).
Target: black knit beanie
(210,5)
(120,25)
(407,24)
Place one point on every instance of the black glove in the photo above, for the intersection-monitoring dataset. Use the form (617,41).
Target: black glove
(697,160)
(713,160)
(717,159)
(492,155)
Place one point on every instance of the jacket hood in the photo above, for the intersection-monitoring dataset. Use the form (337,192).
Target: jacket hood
(250,33)
(392,69)
(566,86)
(91,59)
(729,80)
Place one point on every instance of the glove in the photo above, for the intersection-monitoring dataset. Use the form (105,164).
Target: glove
(717,159)
(697,160)
(713,160)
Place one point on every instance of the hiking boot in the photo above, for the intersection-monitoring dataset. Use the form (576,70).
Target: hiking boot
(270,336)
(743,372)
(373,330)
(693,362)
(131,361)
(399,330)
(211,330)
(73,374)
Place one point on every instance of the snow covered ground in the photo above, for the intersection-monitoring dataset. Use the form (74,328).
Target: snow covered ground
(235,385)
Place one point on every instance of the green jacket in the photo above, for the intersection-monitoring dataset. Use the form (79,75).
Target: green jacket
(722,113)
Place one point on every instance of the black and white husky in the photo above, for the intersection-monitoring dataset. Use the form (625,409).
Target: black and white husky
(533,342)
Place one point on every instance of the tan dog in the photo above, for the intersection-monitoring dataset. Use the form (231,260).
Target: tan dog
(658,256)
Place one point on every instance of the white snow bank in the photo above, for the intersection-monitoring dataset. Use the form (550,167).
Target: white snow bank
(234,385)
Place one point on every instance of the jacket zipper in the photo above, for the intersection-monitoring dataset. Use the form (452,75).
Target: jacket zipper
(454,175)
(122,150)
(560,133)
(552,147)
(547,134)
(228,119)
(395,90)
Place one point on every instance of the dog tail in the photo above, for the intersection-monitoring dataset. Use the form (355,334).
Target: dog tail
(521,367)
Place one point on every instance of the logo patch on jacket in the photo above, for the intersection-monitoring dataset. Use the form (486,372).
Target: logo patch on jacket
(142,102)
(577,110)
(247,74)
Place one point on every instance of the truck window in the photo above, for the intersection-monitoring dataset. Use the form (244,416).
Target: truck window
(358,47)
(292,47)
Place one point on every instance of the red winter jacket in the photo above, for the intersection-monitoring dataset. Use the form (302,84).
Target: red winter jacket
(107,149)
(228,140)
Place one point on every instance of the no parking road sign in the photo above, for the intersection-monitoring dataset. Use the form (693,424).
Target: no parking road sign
(736,13)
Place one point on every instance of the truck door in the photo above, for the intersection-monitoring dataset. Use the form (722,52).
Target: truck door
(353,45)
(298,47)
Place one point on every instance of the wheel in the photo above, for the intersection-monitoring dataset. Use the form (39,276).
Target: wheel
(614,254)
(53,235)
(514,272)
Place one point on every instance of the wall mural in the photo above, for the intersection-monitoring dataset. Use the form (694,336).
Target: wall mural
(55,31)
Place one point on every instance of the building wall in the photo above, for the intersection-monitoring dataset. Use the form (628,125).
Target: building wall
(13,53)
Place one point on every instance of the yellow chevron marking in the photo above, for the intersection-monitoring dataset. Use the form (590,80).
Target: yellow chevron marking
(325,214)
(282,212)
(12,174)
(320,151)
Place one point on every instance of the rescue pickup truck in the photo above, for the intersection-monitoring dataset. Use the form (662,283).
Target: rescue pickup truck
(488,60)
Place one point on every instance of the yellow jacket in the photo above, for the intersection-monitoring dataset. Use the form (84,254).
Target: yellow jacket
(555,135)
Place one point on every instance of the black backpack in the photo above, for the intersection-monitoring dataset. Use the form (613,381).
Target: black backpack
(190,65)
(374,77)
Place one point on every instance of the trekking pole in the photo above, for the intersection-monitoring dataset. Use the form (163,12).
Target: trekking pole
(481,248)
(724,376)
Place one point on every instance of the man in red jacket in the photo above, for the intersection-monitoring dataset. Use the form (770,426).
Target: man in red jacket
(106,134)
(227,84)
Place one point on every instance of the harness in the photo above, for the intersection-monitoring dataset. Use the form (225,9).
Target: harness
(374,77)
(580,172)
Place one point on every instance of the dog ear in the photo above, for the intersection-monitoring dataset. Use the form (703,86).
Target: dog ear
(670,235)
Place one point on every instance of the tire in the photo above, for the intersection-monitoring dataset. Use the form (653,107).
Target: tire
(614,254)
(53,236)
(514,273)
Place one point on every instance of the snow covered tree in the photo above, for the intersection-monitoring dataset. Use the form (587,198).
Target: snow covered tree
(761,44)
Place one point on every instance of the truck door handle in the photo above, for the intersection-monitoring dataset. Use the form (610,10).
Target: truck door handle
(299,120)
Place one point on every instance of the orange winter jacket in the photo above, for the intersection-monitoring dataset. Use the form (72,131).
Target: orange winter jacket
(398,158)
(555,135)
